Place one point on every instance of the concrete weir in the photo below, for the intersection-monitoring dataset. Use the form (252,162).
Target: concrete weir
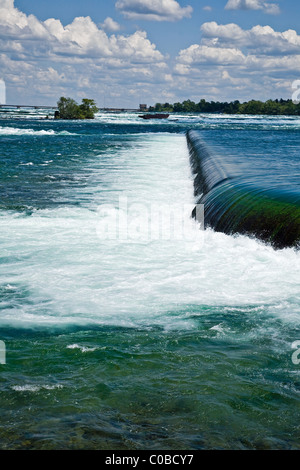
(235,205)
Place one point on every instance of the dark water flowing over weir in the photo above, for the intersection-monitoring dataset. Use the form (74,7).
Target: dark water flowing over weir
(238,205)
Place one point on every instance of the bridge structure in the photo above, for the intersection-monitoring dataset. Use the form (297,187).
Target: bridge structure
(120,110)
(23,106)
(19,106)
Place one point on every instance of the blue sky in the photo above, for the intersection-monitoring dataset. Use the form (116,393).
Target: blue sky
(123,52)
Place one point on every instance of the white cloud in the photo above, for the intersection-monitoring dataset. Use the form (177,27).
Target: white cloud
(52,58)
(247,63)
(201,54)
(266,7)
(153,10)
(81,38)
(110,25)
(259,39)
(46,59)
(230,45)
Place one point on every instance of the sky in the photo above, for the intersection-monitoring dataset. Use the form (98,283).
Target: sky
(125,52)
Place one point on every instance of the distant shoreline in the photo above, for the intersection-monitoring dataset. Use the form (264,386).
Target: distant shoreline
(278,107)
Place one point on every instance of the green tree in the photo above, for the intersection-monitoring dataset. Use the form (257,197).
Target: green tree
(158,107)
(270,107)
(189,106)
(178,108)
(88,108)
(252,107)
(69,109)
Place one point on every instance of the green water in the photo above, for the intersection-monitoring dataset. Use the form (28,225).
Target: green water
(145,344)
(121,388)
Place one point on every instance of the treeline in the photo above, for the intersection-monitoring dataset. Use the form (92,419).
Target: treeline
(270,107)
(69,109)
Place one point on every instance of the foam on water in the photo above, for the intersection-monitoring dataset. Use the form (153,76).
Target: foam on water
(34,388)
(205,121)
(59,270)
(14,131)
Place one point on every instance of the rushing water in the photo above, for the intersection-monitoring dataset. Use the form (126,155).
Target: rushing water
(137,339)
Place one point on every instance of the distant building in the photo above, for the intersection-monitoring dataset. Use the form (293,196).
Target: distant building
(2,92)
(143,107)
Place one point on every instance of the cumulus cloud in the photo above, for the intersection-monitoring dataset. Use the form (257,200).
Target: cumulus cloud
(153,10)
(201,54)
(46,59)
(266,7)
(110,25)
(77,56)
(81,38)
(260,59)
(229,44)
(259,39)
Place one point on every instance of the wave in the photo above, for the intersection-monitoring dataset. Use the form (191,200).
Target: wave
(34,388)
(21,132)
(86,281)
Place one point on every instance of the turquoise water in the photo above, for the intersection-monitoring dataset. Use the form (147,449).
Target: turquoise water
(138,341)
